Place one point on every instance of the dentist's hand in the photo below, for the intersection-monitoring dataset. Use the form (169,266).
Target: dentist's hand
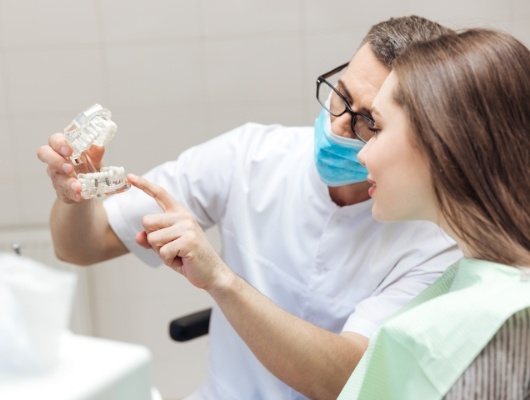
(179,240)
(61,170)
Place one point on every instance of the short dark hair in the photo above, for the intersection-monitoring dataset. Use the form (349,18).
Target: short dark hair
(388,39)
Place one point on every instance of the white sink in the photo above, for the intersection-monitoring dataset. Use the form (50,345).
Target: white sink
(89,369)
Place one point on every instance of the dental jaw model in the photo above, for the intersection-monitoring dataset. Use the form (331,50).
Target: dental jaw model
(94,127)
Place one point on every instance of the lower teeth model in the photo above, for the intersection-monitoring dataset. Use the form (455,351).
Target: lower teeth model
(94,127)
(108,181)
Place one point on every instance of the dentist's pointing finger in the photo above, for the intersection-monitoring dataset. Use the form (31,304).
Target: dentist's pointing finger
(159,194)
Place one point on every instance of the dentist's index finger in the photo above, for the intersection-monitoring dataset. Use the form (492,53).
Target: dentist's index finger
(158,193)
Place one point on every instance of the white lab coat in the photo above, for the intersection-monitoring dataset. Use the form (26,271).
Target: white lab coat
(333,266)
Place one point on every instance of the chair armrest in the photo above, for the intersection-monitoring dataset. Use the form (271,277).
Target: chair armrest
(190,326)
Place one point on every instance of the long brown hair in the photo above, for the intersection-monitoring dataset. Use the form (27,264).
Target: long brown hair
(467,97)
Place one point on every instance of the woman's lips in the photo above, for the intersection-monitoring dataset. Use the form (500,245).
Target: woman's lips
(372,187)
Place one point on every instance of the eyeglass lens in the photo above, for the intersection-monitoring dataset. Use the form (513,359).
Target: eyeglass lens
(361,126)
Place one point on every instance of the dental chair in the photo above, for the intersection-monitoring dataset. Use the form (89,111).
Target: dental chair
(190,326)
(501,370)
(512,340)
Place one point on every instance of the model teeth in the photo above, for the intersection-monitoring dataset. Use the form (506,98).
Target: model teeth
(94,127)
(108,181)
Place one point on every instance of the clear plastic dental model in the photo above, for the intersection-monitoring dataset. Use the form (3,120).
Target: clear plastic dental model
(94,127)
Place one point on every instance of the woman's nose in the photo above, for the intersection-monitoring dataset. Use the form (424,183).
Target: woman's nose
(361,156)
(341,125)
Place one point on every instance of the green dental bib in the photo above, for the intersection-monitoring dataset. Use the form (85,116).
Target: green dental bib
(421,351)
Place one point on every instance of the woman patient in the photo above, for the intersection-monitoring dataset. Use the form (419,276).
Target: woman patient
(453,147)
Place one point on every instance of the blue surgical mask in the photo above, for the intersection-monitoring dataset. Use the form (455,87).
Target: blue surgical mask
(336,156)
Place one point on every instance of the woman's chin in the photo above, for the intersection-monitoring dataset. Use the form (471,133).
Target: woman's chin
(380,215)
(377,214)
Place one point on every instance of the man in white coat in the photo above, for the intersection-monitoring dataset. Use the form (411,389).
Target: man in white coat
(315,275)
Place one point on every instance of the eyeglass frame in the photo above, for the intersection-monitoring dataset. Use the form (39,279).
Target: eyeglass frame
(347,108)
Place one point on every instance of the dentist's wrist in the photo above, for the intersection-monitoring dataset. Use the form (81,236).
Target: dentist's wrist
(224,282)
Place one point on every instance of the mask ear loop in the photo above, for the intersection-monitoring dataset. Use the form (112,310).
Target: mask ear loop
(94,127)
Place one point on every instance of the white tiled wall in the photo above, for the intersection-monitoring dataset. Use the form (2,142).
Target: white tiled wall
(139,21)
(49,23)
(153,75)
(174,73)
(230,18)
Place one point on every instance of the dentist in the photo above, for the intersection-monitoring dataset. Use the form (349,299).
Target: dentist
(311,274)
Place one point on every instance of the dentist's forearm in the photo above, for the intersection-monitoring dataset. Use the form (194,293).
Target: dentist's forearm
(312,360)
(81,234)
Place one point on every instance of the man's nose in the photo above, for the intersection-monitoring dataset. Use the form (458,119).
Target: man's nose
(342,125)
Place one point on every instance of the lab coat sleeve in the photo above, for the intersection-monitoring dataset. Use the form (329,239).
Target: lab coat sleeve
(428,253)
(199,180)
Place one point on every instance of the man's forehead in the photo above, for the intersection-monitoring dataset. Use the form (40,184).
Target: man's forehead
(364,77)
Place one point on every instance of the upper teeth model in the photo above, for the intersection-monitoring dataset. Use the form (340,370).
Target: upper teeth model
(94,127)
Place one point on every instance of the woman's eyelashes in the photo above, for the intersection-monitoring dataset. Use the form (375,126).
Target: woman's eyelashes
(376,127)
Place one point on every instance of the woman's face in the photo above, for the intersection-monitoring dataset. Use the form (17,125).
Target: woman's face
(401,185)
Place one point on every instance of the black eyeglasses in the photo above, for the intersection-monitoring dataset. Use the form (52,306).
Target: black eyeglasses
(334,102)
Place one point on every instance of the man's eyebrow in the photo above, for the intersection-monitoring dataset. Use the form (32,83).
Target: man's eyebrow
(344,91)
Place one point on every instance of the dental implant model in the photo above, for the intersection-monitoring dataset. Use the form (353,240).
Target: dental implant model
(94,127)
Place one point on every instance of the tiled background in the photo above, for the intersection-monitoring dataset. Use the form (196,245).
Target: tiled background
(174,73)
